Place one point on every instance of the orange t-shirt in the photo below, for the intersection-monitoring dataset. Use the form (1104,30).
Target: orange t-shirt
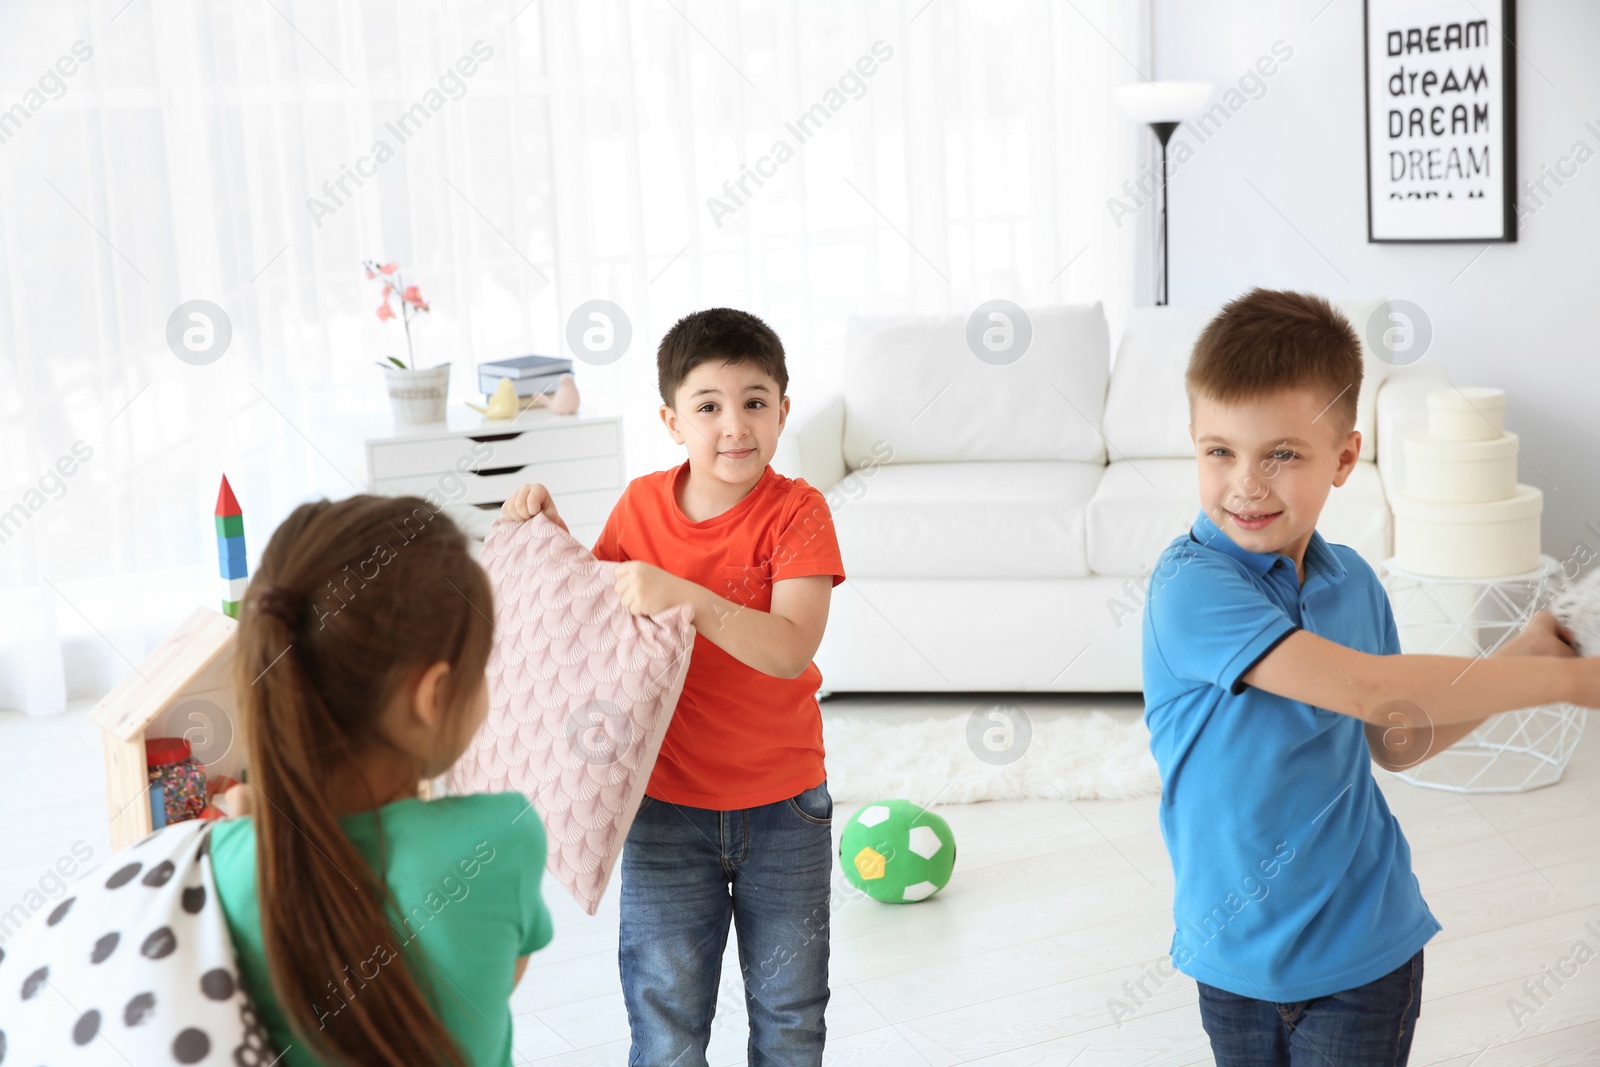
(739,738)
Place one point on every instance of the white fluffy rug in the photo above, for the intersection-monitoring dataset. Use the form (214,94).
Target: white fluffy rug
(1079,755)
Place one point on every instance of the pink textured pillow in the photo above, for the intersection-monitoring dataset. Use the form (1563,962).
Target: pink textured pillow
(580,695)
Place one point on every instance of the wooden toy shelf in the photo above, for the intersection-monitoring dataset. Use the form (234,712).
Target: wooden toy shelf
(184,688)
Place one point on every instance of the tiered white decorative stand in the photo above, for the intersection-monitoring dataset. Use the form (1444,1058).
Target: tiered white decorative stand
(1463,513)
(1512,752)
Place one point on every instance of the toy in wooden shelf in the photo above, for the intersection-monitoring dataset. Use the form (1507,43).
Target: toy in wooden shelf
(182,690)
(177,781)
(230,549)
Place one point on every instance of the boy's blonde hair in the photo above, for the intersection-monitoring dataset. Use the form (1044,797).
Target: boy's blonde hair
(1269,340)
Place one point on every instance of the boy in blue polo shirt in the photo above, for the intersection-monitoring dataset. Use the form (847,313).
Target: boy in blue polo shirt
(1272,682)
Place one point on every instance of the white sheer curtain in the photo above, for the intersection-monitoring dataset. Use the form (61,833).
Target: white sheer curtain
(555,153)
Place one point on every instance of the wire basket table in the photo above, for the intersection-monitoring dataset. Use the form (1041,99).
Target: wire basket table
(1510,753)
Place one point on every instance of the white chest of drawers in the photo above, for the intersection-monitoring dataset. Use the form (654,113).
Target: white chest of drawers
(470,460)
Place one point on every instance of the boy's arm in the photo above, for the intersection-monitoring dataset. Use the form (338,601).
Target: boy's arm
(1406,743)
(803,567)
(1432,691)
(779,642)
(1403,743)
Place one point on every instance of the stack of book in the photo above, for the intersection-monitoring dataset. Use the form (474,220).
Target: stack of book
(530,375)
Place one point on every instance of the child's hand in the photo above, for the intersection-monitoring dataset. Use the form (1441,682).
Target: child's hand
(646,589)
(236,800)
(1543,636)
(528,501)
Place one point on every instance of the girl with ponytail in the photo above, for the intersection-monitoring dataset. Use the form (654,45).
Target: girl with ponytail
(374,928)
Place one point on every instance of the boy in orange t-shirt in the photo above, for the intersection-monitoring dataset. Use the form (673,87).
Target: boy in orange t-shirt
(735,824)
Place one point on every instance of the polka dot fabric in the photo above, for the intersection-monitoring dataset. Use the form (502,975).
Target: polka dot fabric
(580,696)
(133,965)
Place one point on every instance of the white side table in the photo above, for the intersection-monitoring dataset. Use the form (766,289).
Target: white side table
(469,464)
(1512,752)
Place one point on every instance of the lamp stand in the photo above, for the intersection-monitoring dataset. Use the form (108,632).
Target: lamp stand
(1164,132)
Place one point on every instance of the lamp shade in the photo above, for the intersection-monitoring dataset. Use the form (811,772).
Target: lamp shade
(1162,101)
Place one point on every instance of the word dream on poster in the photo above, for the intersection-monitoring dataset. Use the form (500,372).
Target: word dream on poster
(1436,122)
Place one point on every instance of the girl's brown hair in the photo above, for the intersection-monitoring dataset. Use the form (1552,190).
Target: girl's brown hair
(350,603)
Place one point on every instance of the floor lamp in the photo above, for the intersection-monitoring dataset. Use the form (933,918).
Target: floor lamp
(1162,106)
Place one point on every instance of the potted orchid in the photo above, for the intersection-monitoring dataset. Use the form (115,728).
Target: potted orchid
(415,395)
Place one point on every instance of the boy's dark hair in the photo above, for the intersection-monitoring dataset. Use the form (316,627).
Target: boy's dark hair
(718,334)
(1269,340)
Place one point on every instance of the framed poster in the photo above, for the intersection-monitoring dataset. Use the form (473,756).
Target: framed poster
(1441,120)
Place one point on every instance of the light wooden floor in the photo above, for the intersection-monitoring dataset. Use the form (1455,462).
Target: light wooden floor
(1054,910)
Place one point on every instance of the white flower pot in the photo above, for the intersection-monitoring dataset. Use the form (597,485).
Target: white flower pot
(418,395)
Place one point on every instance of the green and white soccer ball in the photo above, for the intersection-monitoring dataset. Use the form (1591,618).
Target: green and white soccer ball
(897,852)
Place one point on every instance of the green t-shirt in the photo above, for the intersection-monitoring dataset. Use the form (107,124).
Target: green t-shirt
(465,874)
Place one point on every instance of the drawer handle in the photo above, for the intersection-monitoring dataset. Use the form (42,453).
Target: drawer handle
(497,436)
(491,472)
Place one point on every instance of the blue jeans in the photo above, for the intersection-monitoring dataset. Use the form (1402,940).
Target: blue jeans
(1368,1026)
(685,873)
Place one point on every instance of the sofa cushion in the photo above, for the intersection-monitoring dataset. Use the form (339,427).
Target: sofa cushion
(913,387)
(1147,408)
(1142,504)
(964,520)
(1137,509)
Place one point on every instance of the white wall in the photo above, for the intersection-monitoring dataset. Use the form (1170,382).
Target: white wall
(1524,316)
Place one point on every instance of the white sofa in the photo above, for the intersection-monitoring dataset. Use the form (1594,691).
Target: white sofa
(998,523)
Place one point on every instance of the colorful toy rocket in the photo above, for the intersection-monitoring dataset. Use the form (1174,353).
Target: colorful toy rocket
(230,549)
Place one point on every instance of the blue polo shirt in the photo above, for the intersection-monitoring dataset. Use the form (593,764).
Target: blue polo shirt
(1293,879)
